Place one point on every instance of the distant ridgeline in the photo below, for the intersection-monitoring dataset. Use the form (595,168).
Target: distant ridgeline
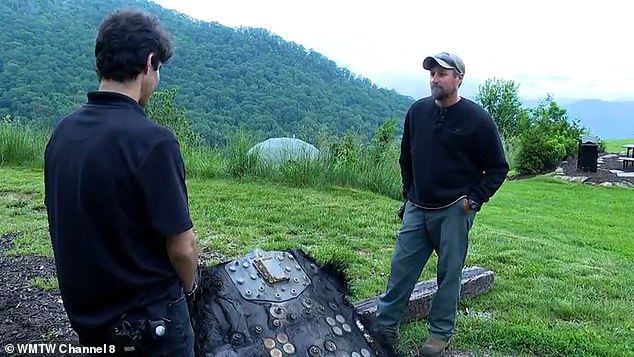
(226,78)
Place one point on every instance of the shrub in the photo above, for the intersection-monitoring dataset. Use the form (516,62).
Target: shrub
(549,138)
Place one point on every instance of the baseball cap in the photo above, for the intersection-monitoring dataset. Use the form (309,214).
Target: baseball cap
(445,60)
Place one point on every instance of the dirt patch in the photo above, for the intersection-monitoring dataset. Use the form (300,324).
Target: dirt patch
(29,314)
(607,169)
(608,166)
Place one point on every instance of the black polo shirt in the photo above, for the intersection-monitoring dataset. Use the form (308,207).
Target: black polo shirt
(114,190)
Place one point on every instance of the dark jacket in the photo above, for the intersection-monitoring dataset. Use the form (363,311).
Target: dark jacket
(448,153)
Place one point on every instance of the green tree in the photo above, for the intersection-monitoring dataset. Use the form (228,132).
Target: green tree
(163,110)
(501,99)
(550,137)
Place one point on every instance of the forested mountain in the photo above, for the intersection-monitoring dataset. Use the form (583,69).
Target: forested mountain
(226,78)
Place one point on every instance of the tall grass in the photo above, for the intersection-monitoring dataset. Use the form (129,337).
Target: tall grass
(357,167)
(204,162)
(345,162)
(21,145)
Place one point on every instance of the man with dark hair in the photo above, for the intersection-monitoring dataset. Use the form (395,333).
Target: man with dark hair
(117,203)
(452,162)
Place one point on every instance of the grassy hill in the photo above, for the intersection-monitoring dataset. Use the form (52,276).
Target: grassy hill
(226,78)
(562,253)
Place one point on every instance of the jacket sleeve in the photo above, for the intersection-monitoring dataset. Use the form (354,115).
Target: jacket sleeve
(405,159)
(491,160)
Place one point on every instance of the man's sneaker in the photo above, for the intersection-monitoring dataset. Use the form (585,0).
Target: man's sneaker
(435,347)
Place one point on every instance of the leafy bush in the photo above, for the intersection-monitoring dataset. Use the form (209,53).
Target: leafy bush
(384,144)
(538,154)
(550,137)
(345,153)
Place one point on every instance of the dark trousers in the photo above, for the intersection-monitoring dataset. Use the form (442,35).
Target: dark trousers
(178,339)
(423,232)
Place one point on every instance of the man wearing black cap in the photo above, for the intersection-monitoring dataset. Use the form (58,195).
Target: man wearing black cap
(452,162)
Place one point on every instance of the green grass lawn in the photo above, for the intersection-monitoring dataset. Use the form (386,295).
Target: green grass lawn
(562,254)
(616,145)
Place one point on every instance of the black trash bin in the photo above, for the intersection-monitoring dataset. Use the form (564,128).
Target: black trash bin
(588,153)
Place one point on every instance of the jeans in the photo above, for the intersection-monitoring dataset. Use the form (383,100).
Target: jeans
(177,341)
(444,231)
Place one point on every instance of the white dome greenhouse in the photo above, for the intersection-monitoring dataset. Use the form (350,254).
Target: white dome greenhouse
(278,150)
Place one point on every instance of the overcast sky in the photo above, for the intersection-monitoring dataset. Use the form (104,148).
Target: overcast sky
(572,49)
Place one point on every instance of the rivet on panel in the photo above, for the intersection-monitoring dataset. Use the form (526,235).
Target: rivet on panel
(314,351)
(269,343)
(289,348)
(282,338)
(340,319)
(236,338)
